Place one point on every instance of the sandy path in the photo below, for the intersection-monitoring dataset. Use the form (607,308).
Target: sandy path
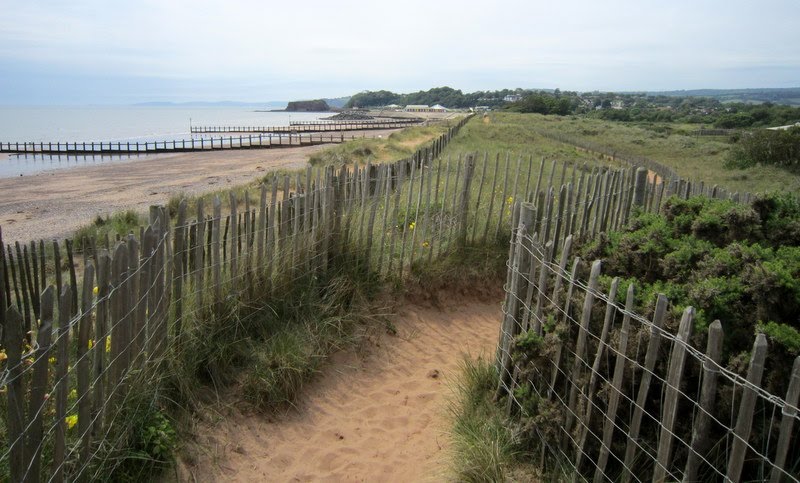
(379,417)
(54,203)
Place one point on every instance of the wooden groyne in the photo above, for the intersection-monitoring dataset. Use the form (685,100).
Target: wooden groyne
(310,127)
(251,141)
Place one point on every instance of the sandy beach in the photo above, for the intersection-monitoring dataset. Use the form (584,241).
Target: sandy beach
(53,204)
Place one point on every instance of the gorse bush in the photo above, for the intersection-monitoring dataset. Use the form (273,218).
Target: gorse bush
(736,263)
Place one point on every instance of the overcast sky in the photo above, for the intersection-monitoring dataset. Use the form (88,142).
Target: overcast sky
(118,52)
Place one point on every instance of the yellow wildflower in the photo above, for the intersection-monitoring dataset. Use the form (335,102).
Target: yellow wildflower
(52,360)
(412,225)
(108,344)
(71,420)
(91,343)
(510,200)
(96,290)
(425,244)
(73,394)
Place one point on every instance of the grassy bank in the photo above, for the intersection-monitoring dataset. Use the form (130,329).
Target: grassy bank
(700,158)
(397,145)
(487,445)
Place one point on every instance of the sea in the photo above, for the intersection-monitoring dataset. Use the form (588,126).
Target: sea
(117,123)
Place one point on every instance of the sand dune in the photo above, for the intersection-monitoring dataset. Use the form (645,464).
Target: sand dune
(376,417)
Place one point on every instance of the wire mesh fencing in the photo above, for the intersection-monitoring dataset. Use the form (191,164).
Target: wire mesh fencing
(614,395)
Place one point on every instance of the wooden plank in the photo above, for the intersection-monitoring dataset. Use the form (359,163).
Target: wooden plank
(132,300)
(562,202)
(84,363)
(118,329)
(615,392)
(16,394)
(708,393)
(216,262)
(35,274)
(639,187)
(744,419)
(406,224)
(199,253)
(789,413)
(234,268)
(39,385)
(480,194)
(491,196)
(23,282)
(442,210)
(551,390)
(101,334)
(13,282)
(61,383)
(644,386)
(580,346)
(503,199)
(73,279)
(608,322)
(386,202)
(541,287)
(455,206)
(426,218)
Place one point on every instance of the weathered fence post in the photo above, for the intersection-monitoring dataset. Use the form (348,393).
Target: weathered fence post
(670,406)
(744,420)
(644,385)
(708,394)
(787,423)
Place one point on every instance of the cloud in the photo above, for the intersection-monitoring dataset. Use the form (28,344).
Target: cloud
(228,49)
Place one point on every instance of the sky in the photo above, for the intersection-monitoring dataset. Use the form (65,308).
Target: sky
(119,52)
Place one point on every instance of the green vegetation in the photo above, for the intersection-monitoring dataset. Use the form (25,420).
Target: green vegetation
(398,145)
(486,446)
(120,223)
(446,96)
(674,145)
(786,95)
(766,147)
(658,108)
(317,105)
(734,263)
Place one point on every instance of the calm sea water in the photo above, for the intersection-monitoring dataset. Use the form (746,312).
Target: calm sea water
(127,123)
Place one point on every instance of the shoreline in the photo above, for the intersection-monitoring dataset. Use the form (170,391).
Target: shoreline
(54,203)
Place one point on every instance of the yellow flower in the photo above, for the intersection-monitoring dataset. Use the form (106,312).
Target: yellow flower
(108,344)
(91,343)
(52,360)
(412,225)
(73,394)
(95,290)
(510,200)
(425,244)
(71,420)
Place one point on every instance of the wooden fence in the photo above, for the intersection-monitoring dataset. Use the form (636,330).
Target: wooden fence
(296,127)
(260,141)
(627,400)
(76,344)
